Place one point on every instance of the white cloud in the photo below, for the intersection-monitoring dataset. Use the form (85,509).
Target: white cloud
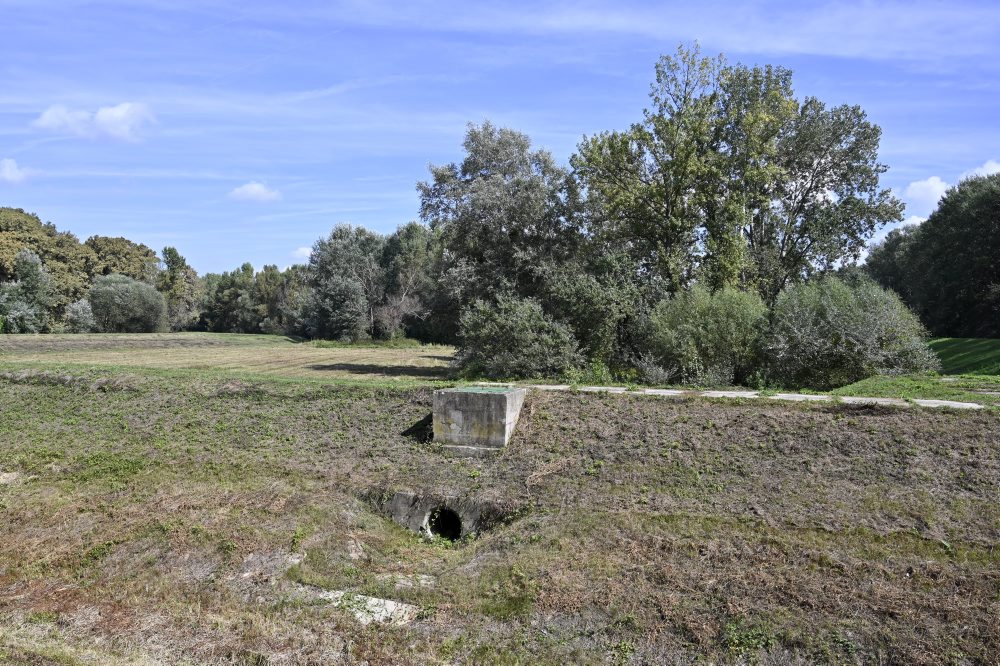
(922,196)
(254,191)
(10,172)
(124,121)
(302,252)
(989,168)
(912,221)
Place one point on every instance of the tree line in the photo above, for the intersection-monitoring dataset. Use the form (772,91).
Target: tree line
(698,245)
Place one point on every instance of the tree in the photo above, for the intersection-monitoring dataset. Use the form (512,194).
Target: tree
(124,257)
(80,317)
(828,333)
(178,283)
(26,302)
(347,274)
(948,269)
(123,305)
(69,263)
(732,180)
(410,258)
(700,337)
(646,179)
(513,338)
(501,212)
(228,304)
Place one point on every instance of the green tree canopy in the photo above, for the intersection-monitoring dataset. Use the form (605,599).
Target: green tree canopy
(730,179)
(948,268)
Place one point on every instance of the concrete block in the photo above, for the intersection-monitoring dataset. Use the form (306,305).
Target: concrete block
(477,416)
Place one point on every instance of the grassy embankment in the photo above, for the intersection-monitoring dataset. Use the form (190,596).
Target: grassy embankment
(159,516)
(970,369)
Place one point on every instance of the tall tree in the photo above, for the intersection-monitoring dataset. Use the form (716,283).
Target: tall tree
(948,268)
(731,180)
(124,257)
(178,283)
(348,281)
(501,212)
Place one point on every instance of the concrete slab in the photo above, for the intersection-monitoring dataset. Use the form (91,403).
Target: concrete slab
(602,389)
(477,416)
(550,387)
(891,402)
(730,394)
(366,610)
(801,397)
(663,392)
(947,403)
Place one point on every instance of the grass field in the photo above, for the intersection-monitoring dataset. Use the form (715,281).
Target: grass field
(220,353)
(156,511)
(968,356)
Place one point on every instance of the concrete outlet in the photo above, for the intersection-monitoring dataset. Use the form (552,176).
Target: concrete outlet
(475,418)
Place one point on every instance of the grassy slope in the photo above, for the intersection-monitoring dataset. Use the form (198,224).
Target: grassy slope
(968,356)
(154,514)
(971,366)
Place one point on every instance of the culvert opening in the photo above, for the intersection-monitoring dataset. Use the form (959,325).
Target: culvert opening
(445,523)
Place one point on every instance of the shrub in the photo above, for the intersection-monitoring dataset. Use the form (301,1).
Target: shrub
(123,305)
(513,338)
(827,333)
(80,317)
(698,337)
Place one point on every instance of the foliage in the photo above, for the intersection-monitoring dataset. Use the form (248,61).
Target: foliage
(953,297)
(828,333)
(123,305)
(349,282)
(26,301)
(123,257)
(697,337)
(730,177)
(179,284)
(68,262)
(513,338)
(80,317)
(503,211)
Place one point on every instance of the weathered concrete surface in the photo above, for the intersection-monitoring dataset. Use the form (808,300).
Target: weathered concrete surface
(791,397)
(365,610)
(947,403)
(801,397)
(413,511)
(477,416)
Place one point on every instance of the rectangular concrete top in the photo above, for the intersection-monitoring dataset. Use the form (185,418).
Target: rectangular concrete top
(483,389)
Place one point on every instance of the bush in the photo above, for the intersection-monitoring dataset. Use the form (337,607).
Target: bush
(697,337)
(827,333)
(123,305)
(513,338)
(80,317)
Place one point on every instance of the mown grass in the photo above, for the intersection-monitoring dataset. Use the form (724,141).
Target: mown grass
(236,354)
(157,512)
(968,356)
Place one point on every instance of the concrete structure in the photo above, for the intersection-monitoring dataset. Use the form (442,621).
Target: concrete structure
(476,419)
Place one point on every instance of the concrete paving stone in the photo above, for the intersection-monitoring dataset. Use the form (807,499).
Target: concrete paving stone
(893,402)
(801,397)
(603,389)
(947,403)
(550,387)
(729,394)
(667,392)
(365,610)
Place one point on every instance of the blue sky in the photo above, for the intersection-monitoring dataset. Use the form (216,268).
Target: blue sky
(244,131)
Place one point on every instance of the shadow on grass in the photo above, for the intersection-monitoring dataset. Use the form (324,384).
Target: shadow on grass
(385,370)
(421,431)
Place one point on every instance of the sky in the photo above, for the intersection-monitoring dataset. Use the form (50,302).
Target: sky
(244,131)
